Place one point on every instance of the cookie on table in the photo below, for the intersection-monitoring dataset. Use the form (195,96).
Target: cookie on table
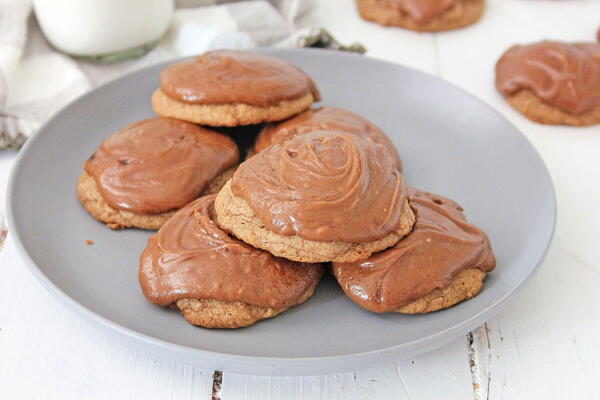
(321,196)
(232,88)
(322,118)
(422,15)
(552,82)
(140,175)
(442,262)
(217,281)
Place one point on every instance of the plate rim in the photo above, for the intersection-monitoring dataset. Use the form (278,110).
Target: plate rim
(276,365)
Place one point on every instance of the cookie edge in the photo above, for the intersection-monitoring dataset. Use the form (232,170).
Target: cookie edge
(302,250)
(537,110)
(91,199)
(232,318)
(465,285)
(230,115)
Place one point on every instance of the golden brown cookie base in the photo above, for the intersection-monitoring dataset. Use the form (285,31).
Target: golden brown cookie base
(463,13)
(537,110)
(91,199)
(228,114)
(224,314)
(235,216)
(464,286)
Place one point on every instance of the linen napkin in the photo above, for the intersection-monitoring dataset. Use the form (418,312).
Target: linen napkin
(36,80)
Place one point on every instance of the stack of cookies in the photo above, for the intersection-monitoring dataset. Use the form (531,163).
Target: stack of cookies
(319,188)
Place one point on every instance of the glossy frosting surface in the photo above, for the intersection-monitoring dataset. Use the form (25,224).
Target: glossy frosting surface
(159,164)
(562,74)
(192,258)
(324,186)
(322,118)
(441,245)
(421,10)
(230,76)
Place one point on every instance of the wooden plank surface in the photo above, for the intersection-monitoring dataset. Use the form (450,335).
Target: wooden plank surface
(545,345)
(48,352)
(409,379)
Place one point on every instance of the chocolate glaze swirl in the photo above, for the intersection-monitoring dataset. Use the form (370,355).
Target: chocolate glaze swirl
(421,11)
(159,164)
(230,76)
(564,75)
(324,186)
(192,258)
(323,118)
(441,245)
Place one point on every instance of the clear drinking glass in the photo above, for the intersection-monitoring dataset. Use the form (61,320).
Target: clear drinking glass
(104,30)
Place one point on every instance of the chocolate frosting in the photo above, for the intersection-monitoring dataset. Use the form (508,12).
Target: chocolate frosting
(564,75)
(323,118)
(159,164)
(441,245)
(229,76)
(421,11)
(324,186)
(192,258)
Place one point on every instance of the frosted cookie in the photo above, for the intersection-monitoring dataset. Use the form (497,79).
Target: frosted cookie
(552,82)
(442,262)
(321,196)
(422,15)
(141,174)
(323,118)
(232,88)
(217,281)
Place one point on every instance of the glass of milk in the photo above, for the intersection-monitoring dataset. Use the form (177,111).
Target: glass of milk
(104,30)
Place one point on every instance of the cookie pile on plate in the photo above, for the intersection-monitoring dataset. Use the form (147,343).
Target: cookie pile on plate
(320,190)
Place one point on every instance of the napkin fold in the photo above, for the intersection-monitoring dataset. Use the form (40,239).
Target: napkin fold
(36,80)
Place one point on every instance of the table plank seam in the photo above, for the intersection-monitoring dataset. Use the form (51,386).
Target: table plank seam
(473,360)
(216,386)
(480,361)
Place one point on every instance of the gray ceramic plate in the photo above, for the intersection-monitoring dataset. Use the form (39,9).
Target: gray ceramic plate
(450,142)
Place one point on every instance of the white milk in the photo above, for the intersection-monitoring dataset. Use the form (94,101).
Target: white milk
(101,27)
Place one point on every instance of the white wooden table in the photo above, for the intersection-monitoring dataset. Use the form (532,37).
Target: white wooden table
(545,345)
